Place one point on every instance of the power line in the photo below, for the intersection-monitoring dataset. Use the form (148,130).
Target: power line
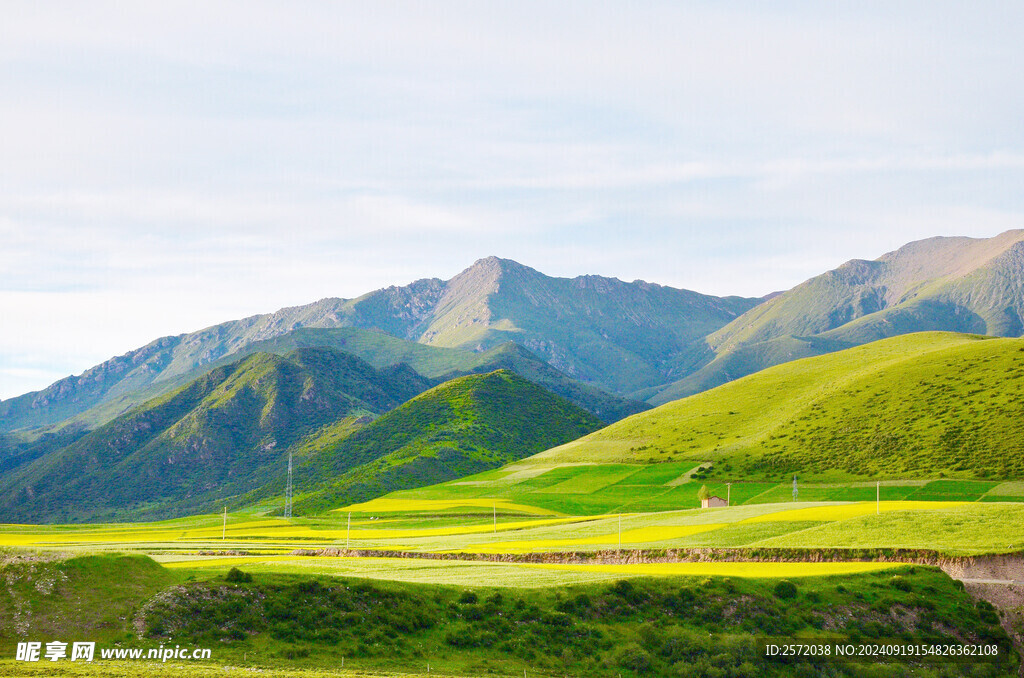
(288,489)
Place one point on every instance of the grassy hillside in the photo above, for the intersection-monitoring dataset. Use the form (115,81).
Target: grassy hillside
(221,435)
(461,427)
(947,284)
(443,364)
(85,598)
(919,405)
(514,358)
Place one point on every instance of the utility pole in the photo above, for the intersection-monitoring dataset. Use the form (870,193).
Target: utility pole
(495,505)
(728,494)
(288,489)
(224,530)
(348,531)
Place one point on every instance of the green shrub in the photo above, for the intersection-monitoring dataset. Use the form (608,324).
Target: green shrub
(785,589)
(634,658)
(237,576)
(899,583)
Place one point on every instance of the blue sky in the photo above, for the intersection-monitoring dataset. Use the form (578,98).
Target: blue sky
(169,168)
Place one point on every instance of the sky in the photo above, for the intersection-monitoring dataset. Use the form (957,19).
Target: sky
(168,166)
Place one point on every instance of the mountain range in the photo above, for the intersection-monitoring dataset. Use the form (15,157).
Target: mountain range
(949,284)
(632,339)
(602,332)
(189,421)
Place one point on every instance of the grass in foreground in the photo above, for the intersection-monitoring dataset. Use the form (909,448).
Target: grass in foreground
(645,625)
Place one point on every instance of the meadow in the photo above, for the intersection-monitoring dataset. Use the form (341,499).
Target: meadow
(594,489)
(949,527)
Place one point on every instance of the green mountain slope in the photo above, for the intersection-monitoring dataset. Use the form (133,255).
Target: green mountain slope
(514,358)
(223,434)
(615,335)
(948,284)
(919,405)
(443,364)
(933,416)
(382,351)
(463,426)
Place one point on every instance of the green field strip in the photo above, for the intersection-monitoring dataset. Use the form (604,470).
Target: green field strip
(513,575)
(999,499)
(549,477)
(571,504)
(929,496)
(492,476)
(741,492)
(435,492)
(669,499)
(617,495)
(1010,489)
(873,483)
(646,499)
(659,474)
(743,534)
(958,490)
(783,493)
(413,570)
(588,480)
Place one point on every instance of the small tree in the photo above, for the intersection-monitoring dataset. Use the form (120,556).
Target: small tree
(703,493)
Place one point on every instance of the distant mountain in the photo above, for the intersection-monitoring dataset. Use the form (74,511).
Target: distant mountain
(463,426)
(949,284)
(923,405)
(618,336)
(380,350)
(223,434)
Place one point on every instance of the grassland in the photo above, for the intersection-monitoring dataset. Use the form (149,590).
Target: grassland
(595,489)
(390,525)
(919,406)
(279,624)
